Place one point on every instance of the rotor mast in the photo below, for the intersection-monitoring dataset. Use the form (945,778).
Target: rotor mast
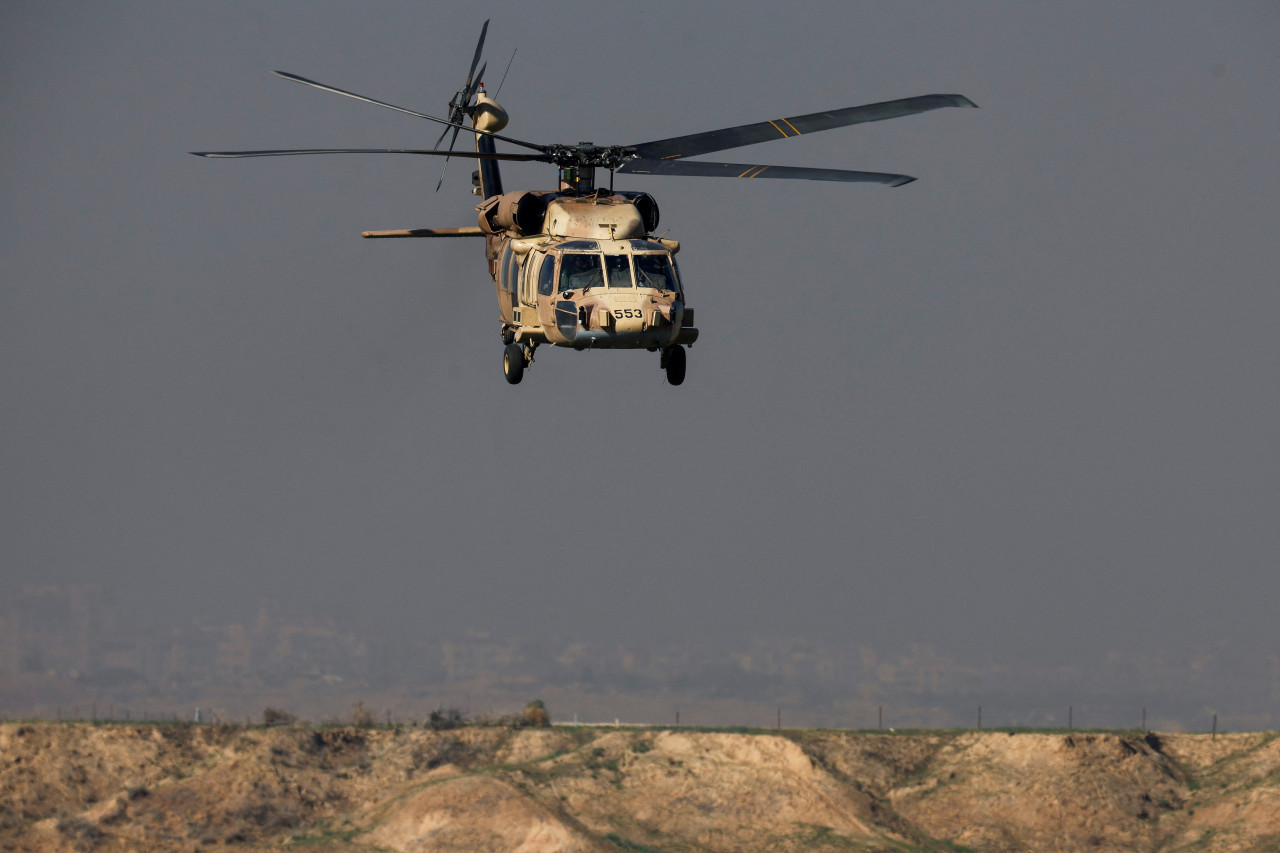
(579,176)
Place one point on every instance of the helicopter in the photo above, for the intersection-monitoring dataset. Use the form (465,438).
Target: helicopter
(580,266)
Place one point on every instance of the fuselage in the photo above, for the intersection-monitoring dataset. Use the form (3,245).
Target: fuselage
(592,278)
(577,267)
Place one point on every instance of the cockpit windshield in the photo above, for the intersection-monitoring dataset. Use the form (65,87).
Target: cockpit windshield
(655,271)
(583,270)
(619,269)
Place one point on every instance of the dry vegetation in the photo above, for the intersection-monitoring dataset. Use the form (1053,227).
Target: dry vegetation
(115,787)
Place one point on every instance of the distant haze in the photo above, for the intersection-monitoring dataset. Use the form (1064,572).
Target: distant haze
(1023,409)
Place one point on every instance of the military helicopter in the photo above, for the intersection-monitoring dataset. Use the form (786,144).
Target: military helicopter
(580,266)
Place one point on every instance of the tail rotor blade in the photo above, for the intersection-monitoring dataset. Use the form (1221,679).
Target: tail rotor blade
(446,157)
(461,103)
(472,87)
(454,139)
(475,60)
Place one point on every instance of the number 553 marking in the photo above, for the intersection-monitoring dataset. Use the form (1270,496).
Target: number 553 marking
(627,313)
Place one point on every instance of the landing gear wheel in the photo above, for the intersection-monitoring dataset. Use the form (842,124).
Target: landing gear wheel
(507,335)
(674,363)
(513,363)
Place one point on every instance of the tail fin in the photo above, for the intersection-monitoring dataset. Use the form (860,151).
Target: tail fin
(490,177)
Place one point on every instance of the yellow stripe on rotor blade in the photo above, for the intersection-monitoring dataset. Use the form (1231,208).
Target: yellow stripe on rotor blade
(790,125)
(756,173)
(775,126)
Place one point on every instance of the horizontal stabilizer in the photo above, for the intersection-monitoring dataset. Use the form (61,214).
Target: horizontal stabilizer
(471,231)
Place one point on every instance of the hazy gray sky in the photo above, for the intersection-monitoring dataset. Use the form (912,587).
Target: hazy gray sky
(1025,406)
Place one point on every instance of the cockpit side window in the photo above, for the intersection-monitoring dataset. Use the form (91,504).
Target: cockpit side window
(547,275)
(504,271)
(579,271)
(655,271)
(618,268)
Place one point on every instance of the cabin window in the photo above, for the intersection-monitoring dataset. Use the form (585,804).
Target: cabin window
(580,271)
(547,275)
(618,268)
(655,271)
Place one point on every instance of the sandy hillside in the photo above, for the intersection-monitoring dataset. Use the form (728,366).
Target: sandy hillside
(114,787)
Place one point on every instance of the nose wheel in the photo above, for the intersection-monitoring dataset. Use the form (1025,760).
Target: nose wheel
(673,363)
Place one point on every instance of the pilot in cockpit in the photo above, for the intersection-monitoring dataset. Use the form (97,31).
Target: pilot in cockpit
(580,271)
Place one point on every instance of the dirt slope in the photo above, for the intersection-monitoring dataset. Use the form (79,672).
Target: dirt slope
(86,787)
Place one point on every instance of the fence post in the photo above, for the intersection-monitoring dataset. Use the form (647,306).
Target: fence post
(1215,727)
(880,719)
(1070,723)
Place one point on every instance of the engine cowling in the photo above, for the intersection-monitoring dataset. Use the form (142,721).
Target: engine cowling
(647,206)
(520,214)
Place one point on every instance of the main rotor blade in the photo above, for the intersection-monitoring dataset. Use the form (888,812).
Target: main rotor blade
(304,81)
(750,134)
(479,47)
(703,169)
(288,151)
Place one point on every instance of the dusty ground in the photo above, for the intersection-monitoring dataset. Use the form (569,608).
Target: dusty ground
(113,787)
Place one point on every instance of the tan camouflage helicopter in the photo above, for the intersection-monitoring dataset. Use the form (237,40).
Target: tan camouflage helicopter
(580,266)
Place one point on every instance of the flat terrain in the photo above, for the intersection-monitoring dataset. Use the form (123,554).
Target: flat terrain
(114,787)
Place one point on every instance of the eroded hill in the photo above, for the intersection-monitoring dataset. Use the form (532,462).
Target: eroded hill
(90,787)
